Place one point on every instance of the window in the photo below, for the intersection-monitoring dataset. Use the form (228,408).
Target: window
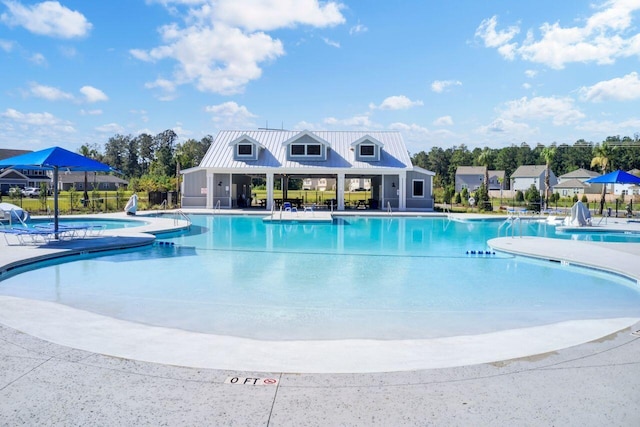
(313,150)
(297,150)
(418,188)
(367,150)
(245,149)
(305,150)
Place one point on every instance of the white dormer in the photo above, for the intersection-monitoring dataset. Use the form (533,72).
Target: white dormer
(306,146)
(246,148)
(367,149)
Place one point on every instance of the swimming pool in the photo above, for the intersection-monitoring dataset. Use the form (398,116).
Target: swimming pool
(361,277)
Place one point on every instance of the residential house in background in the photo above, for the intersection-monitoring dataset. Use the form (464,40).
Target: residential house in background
(471,177)
(66,180)
(574,183)
(528,175)
(20,178)
(627,189)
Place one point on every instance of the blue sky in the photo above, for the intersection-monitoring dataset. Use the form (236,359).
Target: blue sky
(444,73)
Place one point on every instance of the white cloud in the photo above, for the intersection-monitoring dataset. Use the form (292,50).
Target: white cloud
(439,86)
(486,31)
(7,45)
(443,121)
(417,136)
(84,112)
(167,88)
(231,114)
(357,29)
(38,59)
(399,102)
(601,39)
(526,86)
(355,122)
(217,59)
(49,93)
(531,73)
(501,125)
(604,127)
(560,111)
(625,88)
(93,94)
(47,18)
(331,42)
(36,119)
(267,15)
(222,44)
(110,128)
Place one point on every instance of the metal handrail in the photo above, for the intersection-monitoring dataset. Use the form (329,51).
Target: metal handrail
(217,207)
(179,214)
(389,211)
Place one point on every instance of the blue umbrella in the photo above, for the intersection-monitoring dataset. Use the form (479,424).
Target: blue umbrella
(54,159)
(617,177)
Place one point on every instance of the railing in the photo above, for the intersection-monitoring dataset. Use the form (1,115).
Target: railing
(163,205)
(389,211)
(216,208)
(180,214)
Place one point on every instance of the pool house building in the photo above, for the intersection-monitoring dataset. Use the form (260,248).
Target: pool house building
(227,173)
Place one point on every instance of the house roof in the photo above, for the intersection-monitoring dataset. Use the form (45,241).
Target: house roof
(497,174)
(72,177)
(5,153)
(571,183)
(529,171)
(394,154)
(579,173)
(471,170)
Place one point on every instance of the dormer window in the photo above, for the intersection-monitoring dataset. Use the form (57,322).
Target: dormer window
(246,148)
(306,146)
(367,150)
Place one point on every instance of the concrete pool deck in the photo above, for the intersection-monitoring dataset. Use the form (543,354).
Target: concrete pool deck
(594,383)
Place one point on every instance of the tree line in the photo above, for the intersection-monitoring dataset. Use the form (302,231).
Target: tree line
(149,162)
(623,153)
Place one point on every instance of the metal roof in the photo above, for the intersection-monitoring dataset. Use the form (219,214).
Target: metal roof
(394,153)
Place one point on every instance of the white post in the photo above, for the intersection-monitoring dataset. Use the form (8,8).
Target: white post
(269,191)
(340,191)
(210,189)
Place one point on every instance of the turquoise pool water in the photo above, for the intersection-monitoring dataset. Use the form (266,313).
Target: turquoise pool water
(107,224)
(378,278)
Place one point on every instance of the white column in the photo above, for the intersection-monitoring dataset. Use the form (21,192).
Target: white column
(340,191)
(210,188)
(269,191)
(402,191)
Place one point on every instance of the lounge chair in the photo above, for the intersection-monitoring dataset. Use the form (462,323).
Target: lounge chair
(25,236)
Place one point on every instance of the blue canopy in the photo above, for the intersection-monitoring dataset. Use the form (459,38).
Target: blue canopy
(53,159)
(617,177)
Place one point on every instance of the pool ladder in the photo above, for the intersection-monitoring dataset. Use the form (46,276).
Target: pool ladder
(510,223)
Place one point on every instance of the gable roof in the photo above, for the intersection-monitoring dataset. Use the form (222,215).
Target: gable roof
(571,183)
(5,153)
(580,173)
(497,174)
(470,170)
(394,154)
(529,171)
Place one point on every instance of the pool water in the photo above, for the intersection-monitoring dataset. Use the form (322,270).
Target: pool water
(361,277)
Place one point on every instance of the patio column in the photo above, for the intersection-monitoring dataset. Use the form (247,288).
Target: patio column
(269,191)
(402,191)
(340,191)
(210,189)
